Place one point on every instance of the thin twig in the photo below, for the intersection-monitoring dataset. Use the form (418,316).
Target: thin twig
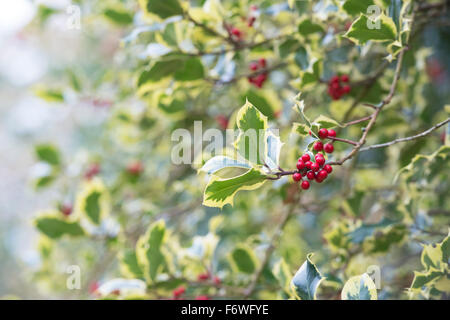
(354,143)
(358,121)
(379,107)
(420,135)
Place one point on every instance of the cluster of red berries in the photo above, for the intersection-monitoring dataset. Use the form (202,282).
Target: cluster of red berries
(259,79)
(317,170)
(335,87)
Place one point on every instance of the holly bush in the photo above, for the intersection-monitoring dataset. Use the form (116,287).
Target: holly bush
(344,197)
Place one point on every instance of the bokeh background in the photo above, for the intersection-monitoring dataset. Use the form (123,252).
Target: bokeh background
(38,47)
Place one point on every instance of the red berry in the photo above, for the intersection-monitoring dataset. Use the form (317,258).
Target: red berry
(92,171)
(320,160)
(318,180)
(328,168)
(262,62)
(322,174)
(318,146)
(222,121)
(203,276)
(328,148)
(310,175)
(306,157)
(331,133)
(236,32)
(297,176)
(346,89)
(254,66)
(344,78)
(308,164)
(93,287)
(66,209)
(300,165)
(251,21)
(323,133)
(315,167)
(135,168)
(305,185)
(178,292)
(216,280)
(334,79)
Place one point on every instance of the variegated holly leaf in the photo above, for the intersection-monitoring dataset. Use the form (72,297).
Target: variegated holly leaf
(220,162)
(148,250)
(364,29)
(93,201)
(220,192)
(359,288)
(251,143)
(306,280)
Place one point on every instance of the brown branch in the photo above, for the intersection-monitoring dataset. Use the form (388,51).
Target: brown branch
(358,120)
(379,107)
(354,143)
(420,135)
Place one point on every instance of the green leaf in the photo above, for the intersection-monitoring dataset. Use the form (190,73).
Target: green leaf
(425,279)
(93,201)
(354,7)
(129,266)
(307,27)
(48,153)
(49,95)
(301,129)
(243,259)
(43,182)
(301,58)
(220,192)
(306,280)
(359,288)
(325,122)
(259,99)
(219,162)
(54,226)
(436,255)
(118,16)
(251,143)
(365,29)
(148,250)
(162,8)
(192,70)
(366,230)
(160,70)
(175,106)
